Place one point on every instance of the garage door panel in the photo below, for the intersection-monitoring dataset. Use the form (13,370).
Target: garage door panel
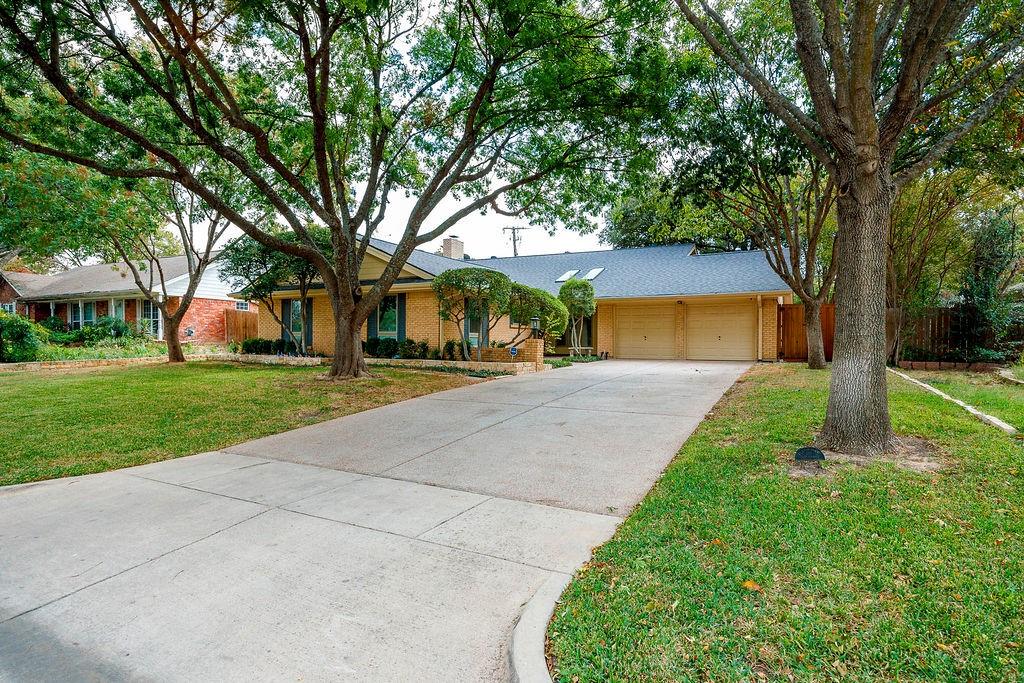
(721,332)
(645,332)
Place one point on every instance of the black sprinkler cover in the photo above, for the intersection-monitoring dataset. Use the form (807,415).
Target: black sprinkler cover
(809,453)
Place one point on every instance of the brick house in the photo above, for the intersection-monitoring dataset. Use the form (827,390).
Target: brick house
(652,302)
(81,295)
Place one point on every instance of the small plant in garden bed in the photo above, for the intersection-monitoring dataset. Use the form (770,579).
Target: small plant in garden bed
(108,349)
(583,359)
(558,362)
(450,370)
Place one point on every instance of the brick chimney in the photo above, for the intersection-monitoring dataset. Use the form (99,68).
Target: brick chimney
(452,247)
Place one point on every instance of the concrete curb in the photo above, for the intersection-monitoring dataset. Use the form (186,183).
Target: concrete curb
(984,417)
(527,663)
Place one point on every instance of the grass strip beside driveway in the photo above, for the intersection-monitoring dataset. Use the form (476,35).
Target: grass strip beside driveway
(731,570)
(59,424)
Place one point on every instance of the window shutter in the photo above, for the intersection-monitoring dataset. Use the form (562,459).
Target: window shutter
(286,318)
(307,329)
(401,317)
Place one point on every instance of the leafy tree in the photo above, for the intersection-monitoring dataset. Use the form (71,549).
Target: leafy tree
(464,292)
(60,214)
(320,112)
(995,257)
(256,271)
(654,213)
(876,92)
(927,245)
(761,182)
(529,302)
(56,216)
(578,296)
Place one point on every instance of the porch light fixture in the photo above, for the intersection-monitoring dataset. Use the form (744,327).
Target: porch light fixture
(535,326)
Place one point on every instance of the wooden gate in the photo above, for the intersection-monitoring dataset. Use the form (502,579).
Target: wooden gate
(793,339)
(240,325)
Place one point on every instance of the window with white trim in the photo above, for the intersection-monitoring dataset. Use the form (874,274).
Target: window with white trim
(241,305)
(74,315)
(149,319)
(8,308)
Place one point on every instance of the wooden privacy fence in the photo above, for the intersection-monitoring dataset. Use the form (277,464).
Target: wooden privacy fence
(935,333)
(240,325)
(793,339)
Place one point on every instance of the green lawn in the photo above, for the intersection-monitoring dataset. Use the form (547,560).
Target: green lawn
(1018,370)
(58,424)
(983,390)
(730,570)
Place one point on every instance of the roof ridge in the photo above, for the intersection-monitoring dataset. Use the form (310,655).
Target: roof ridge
(590,251)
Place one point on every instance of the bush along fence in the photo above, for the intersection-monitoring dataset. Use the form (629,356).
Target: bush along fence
(942,338)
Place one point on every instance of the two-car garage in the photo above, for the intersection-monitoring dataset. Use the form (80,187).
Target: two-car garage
(725,330)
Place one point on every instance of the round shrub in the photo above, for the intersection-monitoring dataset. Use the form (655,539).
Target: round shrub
(20,339)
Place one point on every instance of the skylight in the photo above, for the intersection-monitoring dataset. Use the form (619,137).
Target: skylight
(592,273)
(567,274)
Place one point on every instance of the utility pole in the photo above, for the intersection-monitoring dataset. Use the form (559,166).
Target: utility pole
(515,229)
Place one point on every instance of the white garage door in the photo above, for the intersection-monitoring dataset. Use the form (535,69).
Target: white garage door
(721,331)
(645,331)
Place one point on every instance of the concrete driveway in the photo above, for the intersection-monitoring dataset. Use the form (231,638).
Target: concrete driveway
(392,545)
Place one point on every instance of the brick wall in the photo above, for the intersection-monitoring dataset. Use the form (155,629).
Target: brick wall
(604,329)
(769,329)
(421,317)
(204,316)
(680,342)
(8,295)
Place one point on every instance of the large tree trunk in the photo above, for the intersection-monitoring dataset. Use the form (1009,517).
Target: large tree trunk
(348,348)
(857,419)
(815,340)
(174,352)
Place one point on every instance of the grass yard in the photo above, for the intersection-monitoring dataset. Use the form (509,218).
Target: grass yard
(731,570)
(59,424)
(1018,371)
(982,390)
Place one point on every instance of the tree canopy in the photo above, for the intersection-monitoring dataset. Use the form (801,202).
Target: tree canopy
(321,112)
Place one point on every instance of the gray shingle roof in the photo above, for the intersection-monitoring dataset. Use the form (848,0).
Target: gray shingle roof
(102,278)
(646,271)
(26,284)
(435,264)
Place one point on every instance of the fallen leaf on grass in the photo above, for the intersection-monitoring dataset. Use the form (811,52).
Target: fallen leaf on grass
(752,586)
(948,649)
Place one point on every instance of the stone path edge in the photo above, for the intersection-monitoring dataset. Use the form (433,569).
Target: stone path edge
(984,417)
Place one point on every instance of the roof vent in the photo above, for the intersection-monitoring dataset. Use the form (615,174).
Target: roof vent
(592,273)
(567,274)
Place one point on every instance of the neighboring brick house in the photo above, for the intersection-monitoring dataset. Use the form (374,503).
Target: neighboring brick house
(652,302)
(81,295)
